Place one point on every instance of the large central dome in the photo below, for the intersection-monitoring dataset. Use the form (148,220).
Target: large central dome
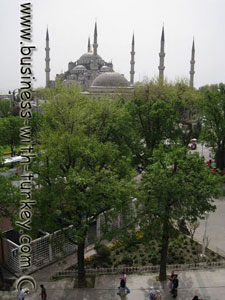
(88,58)
(110,79)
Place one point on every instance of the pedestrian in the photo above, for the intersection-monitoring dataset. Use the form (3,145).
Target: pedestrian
(123,284)
(170,283)
(152,294)
(21,294)
(209,163)
(175,284)
(43,292)
(158,295)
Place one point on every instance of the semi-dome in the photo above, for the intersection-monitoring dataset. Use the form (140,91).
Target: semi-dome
(78,68)
(105,69)
(110,79)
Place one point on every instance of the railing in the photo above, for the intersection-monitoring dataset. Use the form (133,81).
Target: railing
(143,269)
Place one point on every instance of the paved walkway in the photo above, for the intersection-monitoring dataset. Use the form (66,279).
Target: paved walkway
(209,285)
(215,228)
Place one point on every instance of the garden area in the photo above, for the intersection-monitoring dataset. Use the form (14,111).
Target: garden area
(139,252)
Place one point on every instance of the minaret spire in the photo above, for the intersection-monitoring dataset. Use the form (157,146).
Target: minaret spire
(47,60)
(161,56)
(132,62)
(192,61)
(89,45)
(95,45)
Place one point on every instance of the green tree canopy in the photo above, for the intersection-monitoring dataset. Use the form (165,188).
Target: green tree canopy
(10,131)
(175,186)
(213,120)
(5,108)
(82,167)
(161,113)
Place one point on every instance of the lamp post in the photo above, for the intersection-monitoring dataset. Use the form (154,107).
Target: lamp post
(205,238)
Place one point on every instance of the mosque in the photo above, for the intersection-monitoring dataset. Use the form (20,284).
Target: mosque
(96,76)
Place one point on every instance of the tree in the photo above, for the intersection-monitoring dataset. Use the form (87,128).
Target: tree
(188,108)
(192,225)
(161,114)
(176,185)
(82,170)
(5,108)
(154,118)
(213,121)
(10,132)
(35,123)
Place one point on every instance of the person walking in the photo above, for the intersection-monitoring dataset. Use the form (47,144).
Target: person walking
(152,294)
(175,283)
(123,284)
(170,283)
(21,294)
(158,295)
(43,292)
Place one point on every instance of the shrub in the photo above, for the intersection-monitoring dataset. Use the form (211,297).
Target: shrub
(127,260)
(154,260)
(181,260)
(102,250)
(194,251)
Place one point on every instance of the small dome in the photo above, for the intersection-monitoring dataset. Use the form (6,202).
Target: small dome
(110,79)
(105,69)
(78,68)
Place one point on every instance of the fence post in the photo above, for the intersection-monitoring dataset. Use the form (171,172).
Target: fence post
(50,247)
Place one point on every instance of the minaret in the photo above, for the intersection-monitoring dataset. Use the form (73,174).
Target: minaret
(192,61)
(95,45)
(47,61)
(89,45)
(161,56)
(94,65)
(132,62)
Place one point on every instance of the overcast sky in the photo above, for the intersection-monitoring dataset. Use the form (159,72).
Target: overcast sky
(70,22)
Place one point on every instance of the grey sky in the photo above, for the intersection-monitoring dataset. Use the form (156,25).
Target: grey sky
(70,22)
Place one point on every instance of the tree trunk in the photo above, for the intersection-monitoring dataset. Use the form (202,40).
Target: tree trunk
(81,269)
(164,249)
(220,159)
(1,278)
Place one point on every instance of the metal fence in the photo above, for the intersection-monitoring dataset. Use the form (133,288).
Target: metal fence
(11,258)
(144,269)
(45,250)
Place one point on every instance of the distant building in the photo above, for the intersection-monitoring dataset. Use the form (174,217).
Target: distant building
(5,97)
(90,72)
(96,76)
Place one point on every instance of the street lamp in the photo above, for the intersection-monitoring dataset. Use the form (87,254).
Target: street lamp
(205,238)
